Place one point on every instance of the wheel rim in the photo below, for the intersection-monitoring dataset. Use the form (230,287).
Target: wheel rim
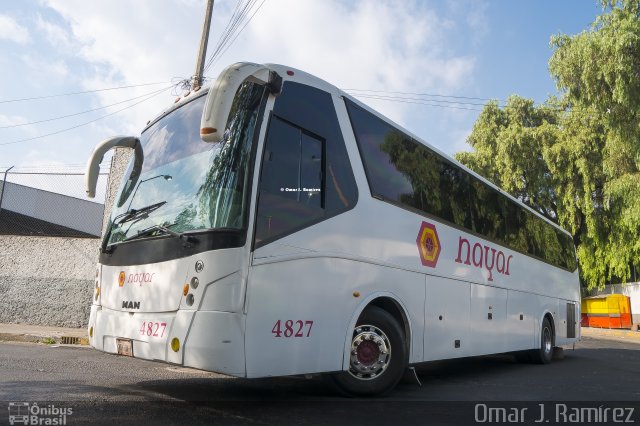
(370,352)
(546,340)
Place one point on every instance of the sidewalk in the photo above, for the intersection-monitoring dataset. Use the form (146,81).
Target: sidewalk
(621,335)
(43,334)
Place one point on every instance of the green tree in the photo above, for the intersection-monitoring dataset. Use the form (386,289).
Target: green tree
(598,73)
(509,147)
(577,158)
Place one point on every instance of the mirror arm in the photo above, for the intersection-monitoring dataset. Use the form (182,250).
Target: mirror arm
(223,91)
(93,165)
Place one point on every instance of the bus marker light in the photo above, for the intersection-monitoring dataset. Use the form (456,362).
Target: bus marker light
(207,130)
(90,331)
(175,344)
(356,294)
(190,300)
(185,289)
(195,282)
(289,72)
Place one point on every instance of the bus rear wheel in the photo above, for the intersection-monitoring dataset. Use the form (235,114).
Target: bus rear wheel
(377,357)
(544,353)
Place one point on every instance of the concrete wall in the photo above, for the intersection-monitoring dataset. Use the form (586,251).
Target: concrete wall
(50,280)
(46,280)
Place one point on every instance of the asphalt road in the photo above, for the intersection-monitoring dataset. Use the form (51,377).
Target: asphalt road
(109,389)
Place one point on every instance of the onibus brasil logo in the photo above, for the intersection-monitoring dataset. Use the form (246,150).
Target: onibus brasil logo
(32,414)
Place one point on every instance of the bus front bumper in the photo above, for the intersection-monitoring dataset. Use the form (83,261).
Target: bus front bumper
(207,340)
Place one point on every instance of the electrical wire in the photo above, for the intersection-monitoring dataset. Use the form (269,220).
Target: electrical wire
(226,32)
(82,112)
(87,122)
(425,102)
(400,98)
(54,173)
(236,36)
(435,95)
(238,15)
(231,32)
(463,105)
(6,101)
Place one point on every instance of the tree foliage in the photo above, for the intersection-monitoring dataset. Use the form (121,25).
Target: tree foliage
(577,158)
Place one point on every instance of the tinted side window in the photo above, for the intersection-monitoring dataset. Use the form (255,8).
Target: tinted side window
(306,176)
(487,210)
(405,172)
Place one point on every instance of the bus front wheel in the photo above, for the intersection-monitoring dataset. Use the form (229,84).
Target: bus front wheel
(377,357)
(544,353)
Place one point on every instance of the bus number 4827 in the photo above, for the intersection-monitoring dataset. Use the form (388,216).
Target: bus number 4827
(291,328)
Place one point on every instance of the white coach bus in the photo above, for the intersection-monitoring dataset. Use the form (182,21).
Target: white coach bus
(273,225)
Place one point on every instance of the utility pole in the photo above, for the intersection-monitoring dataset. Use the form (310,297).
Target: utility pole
(196,83)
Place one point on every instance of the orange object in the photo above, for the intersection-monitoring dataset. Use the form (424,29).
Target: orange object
(606,311)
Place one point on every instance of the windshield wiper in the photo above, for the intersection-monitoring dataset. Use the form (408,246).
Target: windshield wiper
(128,216)
(133,214)
(150,230)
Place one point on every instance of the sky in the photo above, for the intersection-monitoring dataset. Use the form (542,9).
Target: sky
(455,49)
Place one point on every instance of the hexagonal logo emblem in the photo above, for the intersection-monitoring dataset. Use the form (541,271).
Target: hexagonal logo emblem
(428,244)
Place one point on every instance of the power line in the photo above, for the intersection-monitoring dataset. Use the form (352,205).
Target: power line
(6,101)
(85,123)
(226,32)
(238,15)
(417,102)
(227,38)
(400,98)
(56,173)
(435,95)
(82,112)
(239,32)
(389,96)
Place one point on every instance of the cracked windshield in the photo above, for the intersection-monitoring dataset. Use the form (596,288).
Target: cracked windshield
(186,184)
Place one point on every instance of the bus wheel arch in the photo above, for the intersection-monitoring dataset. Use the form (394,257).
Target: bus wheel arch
(397,311)
(378,350)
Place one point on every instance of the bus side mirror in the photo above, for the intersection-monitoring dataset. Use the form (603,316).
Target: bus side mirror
(223,91)
(93,165)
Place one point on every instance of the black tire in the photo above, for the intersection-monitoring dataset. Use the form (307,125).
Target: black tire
(544,353)
(378,356)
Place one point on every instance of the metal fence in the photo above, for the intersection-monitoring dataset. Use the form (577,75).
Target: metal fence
(50,204)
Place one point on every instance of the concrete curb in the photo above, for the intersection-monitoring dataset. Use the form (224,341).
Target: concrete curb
(43,334)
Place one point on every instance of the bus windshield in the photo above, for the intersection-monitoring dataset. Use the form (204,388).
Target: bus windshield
(186,184)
